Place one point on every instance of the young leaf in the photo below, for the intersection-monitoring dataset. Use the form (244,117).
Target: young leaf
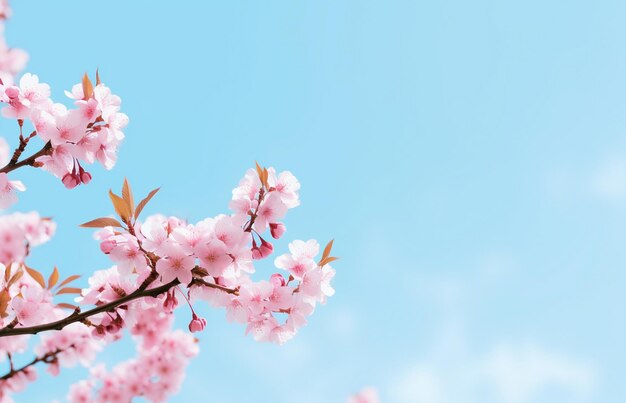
(54,277)
(7,272)
(145,201)
(259,170)
(121,207)
(5,298)
(68,290)
(15,278)
(36,276)
(98,82)
(327,260)
(87,87)
(265,177)
(127,195)
(327,249)
(101,223)
(69,280)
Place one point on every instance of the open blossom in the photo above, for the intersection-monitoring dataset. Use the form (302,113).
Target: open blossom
(300,260)
(8,189)
(175,264)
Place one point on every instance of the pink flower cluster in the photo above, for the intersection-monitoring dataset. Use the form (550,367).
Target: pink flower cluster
(214,259)
(92,131)
(155,374)
(21,231)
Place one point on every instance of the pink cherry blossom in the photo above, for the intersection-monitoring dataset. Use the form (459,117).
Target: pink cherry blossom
(175,264)
(7,191)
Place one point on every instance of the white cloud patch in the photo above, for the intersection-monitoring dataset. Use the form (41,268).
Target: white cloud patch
(518,373)
(609,180)
(508,373)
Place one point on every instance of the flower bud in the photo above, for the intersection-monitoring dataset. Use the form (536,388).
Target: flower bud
(85,177)
(170,302)
(266,248)
(70,181)
(197,324)
(277,229)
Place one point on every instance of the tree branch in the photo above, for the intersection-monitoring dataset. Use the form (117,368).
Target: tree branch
(12,165)
(78,316)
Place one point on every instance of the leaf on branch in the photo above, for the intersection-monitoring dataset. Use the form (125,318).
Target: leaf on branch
(5,298)
(68,280)
(87,87)
(98,82)
(101,223)
(259,170)
(66,306)
(15,278)
(265,177)
(127,195)
(68,290)
(145,201)
(7,272)
(36,276)
(121,207)
(263,174)
(327,260)
(327,249)
(54,278)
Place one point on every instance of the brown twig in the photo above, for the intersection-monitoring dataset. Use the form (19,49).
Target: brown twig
(30,161)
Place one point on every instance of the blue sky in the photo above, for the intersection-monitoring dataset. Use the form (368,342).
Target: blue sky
(469,159)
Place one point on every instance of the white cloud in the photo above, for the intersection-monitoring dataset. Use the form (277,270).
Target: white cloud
(419,384)
(609,180)
(520,372)
(508,373)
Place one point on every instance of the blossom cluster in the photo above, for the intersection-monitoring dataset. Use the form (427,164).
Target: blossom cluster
(21,231)
(89,132)
(215,258)
(156,373)
(158,261)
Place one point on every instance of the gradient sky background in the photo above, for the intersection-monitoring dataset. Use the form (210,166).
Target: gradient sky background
(469,158)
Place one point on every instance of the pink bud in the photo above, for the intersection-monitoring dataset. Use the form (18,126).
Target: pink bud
(70,181)
(266,248)
(170,302)
(12,92)
(197,324)
(256,254)
(85,177)
(277,280)
(277,229)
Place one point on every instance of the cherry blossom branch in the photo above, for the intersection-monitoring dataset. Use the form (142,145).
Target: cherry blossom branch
(46,358)
(78,316)
(30,161)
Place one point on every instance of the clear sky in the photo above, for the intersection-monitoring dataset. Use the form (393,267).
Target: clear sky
(469,158)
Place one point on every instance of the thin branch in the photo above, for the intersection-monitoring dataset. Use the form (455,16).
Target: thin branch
(78,316)
(47,358)
(30,161)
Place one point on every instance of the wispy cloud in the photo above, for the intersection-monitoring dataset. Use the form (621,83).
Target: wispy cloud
(609,179)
